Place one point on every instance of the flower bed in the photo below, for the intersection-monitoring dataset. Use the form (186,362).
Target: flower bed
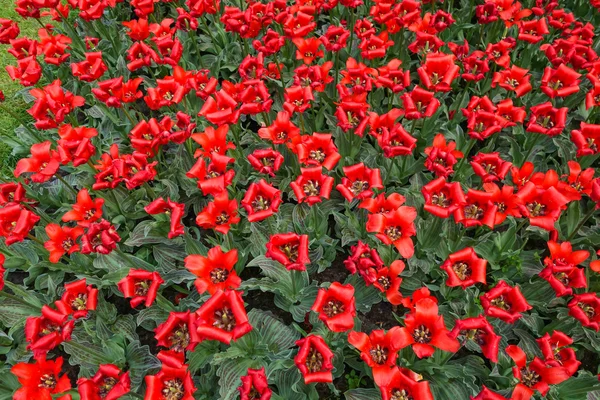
(384,199)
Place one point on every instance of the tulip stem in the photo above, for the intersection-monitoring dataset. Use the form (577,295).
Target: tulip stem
(19,120)
(211,35)
(535,140)
(302,124)
(38,241)
(33,210)
(71,188)
(149,191)
(462,98)
(18,299)
(280,73)
(336,68)
(465,156)
(129,117)
(351,30)
(580,224)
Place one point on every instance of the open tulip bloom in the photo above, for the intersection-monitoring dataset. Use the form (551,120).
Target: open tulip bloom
(316,199)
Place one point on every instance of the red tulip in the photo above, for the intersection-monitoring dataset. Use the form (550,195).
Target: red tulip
(214,272)
(100,237)
(297,99)
(561,270)
(289,249)
(382,204)
(223,317)
(477,210)
(585,308)
(556,353)
(270,43)
(560,82)
(220,109)
(47,331)
(379,350)
(109,383)
(213,178)
(375,46)
(438,72)
(178,332)
(255,385)
(465,268)
(252,67)
(404,383)
(542,206)
(307,49)
(318,149)
(442,199)
(533,31)
(504,302)
(426,330)
(15,223)
(442,156)
(351,112)
(392,77)
(315,76)
(43,162)
(52,105)
(91,69)
(219,214)
(281,131)
(335,37)
(261,201)
(364,260)
(535,375)
(173,378)
(587,139)
(514,79)
(509,114)
(419,103)
(314,359)
(114,92)
(176,211)
(9,30)
(359,182)
(75,144)
(395,228)
(85,211)
(141,286)
(62,240)
(54,47)
(388,281)
(77,299)
(490,167)
(481,332)
(312,185)
(41,380)
(336,307)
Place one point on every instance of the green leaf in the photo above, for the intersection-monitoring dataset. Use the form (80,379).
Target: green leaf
(366,296)
(91,355)
(275,334)
(230,372)
(578,388)
(13,312)
(141,363)
(148,232)
(362,394)
(202,355)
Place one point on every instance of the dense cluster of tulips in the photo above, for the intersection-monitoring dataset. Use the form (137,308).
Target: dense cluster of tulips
(359,199)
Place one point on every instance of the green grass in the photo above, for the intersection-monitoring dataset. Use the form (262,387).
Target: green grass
(13,101)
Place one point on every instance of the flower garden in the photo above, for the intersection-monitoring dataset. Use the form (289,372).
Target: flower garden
(319,199)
